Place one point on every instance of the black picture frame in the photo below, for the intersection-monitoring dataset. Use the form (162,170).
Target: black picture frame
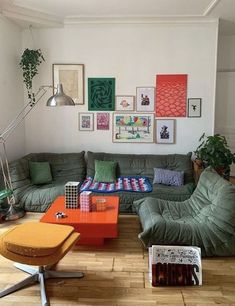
(194,109)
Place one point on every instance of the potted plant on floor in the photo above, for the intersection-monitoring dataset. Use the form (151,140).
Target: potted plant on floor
(214,151)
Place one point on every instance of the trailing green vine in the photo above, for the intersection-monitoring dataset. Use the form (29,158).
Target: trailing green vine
(30,60)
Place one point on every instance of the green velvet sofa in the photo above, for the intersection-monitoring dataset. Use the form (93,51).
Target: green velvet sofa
(206,219)
(73,167)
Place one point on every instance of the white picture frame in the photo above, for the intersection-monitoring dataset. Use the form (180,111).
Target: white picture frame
(86,121)
(145,99)
(165,131)
(125,103)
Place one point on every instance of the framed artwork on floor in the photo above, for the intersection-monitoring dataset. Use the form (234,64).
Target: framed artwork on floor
(101,94)
(86,122)
(125,103)
(133,127)
(171,95)
(145,99)
(165,131)
(194,107)
(102,121)
(71,76)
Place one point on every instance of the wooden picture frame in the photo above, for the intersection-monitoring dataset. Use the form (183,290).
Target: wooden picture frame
(86,121)
(133,127)
(125,103)
(71,76)
(145,99)
(165,131)
(194,107)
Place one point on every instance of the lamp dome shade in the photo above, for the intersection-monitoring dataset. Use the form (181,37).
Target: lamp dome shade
(60,98)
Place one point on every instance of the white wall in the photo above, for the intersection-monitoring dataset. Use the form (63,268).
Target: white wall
(226,52)
(225,94)
(133,54)
(11,86)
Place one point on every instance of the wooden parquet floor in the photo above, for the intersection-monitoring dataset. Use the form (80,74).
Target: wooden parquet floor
(117,275)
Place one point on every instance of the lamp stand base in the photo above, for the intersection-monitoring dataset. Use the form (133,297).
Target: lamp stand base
(14,213)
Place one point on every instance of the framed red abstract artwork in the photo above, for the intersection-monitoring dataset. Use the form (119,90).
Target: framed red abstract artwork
(171,95)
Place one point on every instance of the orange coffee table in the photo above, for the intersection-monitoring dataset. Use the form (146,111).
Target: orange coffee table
(93,226)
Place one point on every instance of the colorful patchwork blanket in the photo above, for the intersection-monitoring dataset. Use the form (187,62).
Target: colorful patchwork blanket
(130,184)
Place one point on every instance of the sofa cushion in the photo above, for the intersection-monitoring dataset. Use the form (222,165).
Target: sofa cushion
(40,172)
(168,177)
(38,198)
(105,171)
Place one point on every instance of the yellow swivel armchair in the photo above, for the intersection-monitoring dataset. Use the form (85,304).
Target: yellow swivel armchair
(38,244)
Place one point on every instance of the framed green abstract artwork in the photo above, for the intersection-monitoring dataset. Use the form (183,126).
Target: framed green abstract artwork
(101,94)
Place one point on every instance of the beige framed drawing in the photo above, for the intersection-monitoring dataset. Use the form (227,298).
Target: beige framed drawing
(71,76)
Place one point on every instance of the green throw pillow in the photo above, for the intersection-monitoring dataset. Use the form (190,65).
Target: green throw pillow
(40,172)
(105,171)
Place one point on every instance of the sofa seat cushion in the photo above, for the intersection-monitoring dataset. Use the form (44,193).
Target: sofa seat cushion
(159,191)
(39,198)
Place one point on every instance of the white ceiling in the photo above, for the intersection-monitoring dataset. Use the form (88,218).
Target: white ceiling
(54,13)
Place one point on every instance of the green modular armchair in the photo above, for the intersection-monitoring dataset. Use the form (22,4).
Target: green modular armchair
(206,219)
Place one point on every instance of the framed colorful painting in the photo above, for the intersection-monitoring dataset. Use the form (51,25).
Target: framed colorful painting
(133,127)
(145,99)
(101,94)
(194,107)
(165,131)
(86,121)
(125,103)
(171,95)
(71,76)
(102,121)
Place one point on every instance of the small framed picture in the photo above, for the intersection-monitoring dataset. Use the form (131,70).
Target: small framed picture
(71,76)
(165,131)
(86,121)
(194,107)
(145,99)
(102,121)
(125,103)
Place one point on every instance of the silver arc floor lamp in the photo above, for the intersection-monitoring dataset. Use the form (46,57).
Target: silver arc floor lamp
(59,99)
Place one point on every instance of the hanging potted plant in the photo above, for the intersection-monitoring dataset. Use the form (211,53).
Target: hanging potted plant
(30,60)
(214,151)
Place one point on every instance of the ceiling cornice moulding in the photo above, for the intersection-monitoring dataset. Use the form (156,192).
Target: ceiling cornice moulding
(41,19)
(31,16)
(73,20)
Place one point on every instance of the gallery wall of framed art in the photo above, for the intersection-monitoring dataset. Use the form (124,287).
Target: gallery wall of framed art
(149,116)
